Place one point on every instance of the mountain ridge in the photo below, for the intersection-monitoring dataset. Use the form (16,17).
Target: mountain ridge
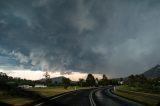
(153,72)
(54,79)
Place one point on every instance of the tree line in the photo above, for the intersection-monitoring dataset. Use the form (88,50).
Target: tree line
(4,78)
(90,81)
(142,82)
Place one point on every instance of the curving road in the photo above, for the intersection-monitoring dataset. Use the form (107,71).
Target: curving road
(75,98)
(88,97)
(104,97)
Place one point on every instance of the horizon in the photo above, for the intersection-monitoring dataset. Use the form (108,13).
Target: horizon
(37,75)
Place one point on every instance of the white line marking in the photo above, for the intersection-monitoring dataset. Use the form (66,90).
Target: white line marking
(39,104)
(91,98)
(60,95)
(53,98)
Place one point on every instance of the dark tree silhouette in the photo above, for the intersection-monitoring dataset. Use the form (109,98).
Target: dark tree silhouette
(104,77)
(66,82)
(90,80)
(137,80)
(104,81)
(81,82)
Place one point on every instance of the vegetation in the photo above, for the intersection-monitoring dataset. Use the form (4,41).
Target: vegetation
(48,81)
(145,98)
(104,81)
(13,100)
(66,82)
(17,81)
(90,80)
(141,89)
(11,93)
(142,84)
(50,91)
(81,82)
(135,87)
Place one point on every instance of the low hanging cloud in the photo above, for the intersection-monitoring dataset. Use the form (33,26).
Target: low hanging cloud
(113,37)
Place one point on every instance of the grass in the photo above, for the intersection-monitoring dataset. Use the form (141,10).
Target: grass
(13,100)
(49,91)
(129,92)
(139,89)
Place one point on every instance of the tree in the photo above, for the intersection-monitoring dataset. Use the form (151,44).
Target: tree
(66,82)
(104,77)
(90,80)
(137,81)
(47,76)
(104,81)
(81,82)
(113,82)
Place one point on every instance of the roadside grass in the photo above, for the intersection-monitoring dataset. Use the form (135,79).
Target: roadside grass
(49,91)
(139,89)
(13,100)
(141,97)
(16,101)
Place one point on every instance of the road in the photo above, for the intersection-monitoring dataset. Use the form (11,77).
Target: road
(75,98)
(104,97)
(88,97)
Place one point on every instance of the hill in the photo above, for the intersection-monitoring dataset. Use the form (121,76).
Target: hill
(55,79)
(153,72)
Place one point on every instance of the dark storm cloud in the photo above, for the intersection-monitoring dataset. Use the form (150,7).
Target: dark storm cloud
(107,36)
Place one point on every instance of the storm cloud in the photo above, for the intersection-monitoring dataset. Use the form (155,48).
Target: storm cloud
(115,37)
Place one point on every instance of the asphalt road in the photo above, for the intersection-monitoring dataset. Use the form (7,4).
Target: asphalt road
(88,97)
(75,98)
(104,97)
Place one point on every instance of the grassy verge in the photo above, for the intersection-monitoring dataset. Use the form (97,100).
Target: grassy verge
(49,91)
(145,98)
(14,100)
(139,89)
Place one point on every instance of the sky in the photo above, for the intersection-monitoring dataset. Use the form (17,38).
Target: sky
(112,37)
(38,74)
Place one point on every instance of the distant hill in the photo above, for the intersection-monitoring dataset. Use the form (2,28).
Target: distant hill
(153,72)
(55,79)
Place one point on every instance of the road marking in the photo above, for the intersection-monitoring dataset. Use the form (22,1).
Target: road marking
(91,98)
(39,104)
(128,101)
(53,98)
